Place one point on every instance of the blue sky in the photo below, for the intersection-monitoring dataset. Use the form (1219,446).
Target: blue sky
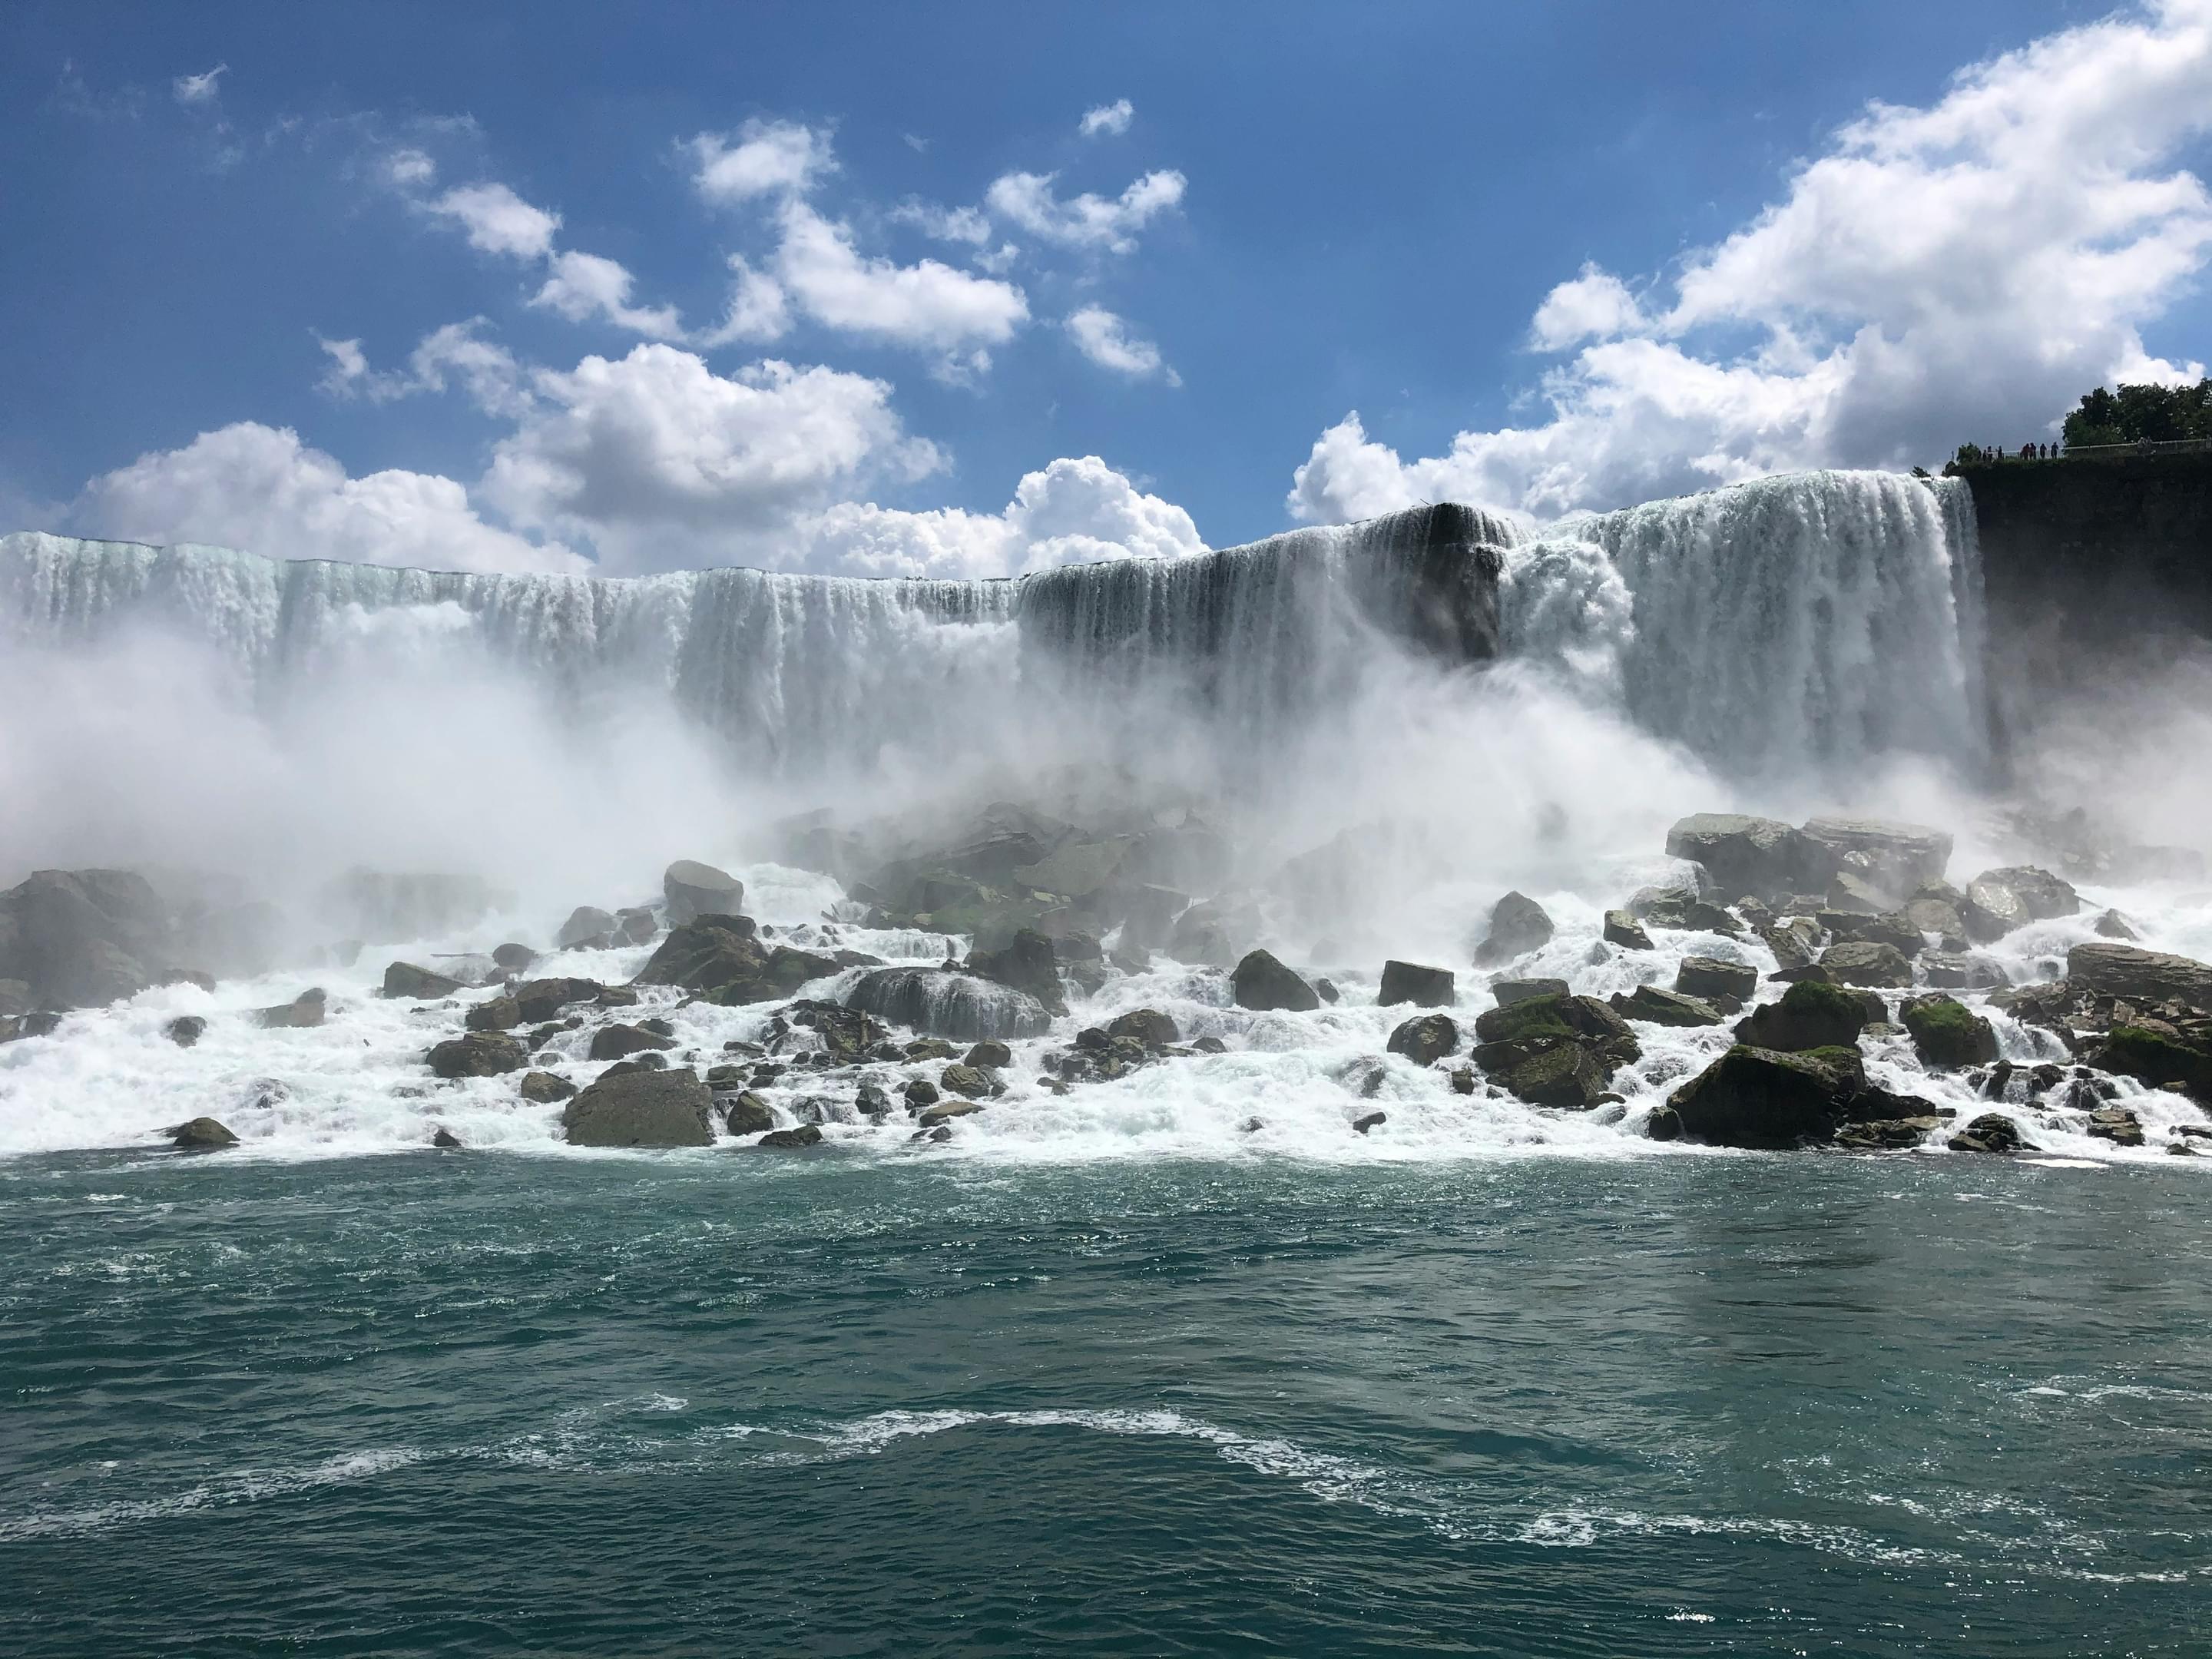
(1553,257)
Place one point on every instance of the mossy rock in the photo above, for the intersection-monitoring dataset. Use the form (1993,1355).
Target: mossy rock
(1947,1034)
(1812,1014)
(2156,1057)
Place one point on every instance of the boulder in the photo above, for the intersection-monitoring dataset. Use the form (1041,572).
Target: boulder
(1029,963)
(2140,976)
(501,1014)
(1999,901)
(1259,981)
(635,927)
(946,1110)
(75,939)
(2154,1052)
(444,1140)
(44,1022)
(405,980)
(1763,857)
(1363,1123)
(2113,925)
(1812,1014)
(1711,980)
(480,1054)
(720,959)
(1681,909)
(1927,914)
(1425,1038)
(1557,1073)
(1964,970)
(1856,962)
(1510,991)
(1948,1035)
(1518,924)
(513,959)
(1992,1132)
(847,1034)
(919,1092)
(1892,929)
(185,1030)
(990,1055)
(619,1042)
(302,1013)
(201,1134)
(1761,1097)
(641,1109)
(545,1087)
(1888,1134)
(972,1081)
(2116,1124)
(1147,1025)
(588,928)
(538,1000)
(949,1003)
(1794,942)
(1622,928)
(691,889)
(1584,1019)
(1657,1007)
(789,1141)
(746,1114)
(1891,859)
(1425,988)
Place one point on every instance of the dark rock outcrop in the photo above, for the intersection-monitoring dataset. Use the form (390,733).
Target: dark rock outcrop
(789,1141)
(185,1030)
(746,1114)
(949,1003)
(1622,928)
(2140,976)
(1028,962)
(303,1012)
(1812,1014)
(692,890)
(545,1087)
(1425,988)
(1510,991)
(1948,1035)
(1553,1050)
(541,999)
(1261,982)
(513,959)
(619,1042)
(1726,985)
(1657,1007)
(407,981)
(480,1054)
(1762,1098)
(500,1013)
(588,928)
(1518,924)
(1992,1132)
(641,1109)
(1999,901)
(720,959)
(76,939)
(1763,857)
(1147,1025)
(1425,1038)
(201,1134)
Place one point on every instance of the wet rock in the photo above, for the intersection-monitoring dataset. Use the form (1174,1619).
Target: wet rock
(1887,1134)
(1370,1120)
(871,1101)
(1464,1080)
(2140,976)
(1890,929)
(1850,894)
(641,1109)
(545,1087)
(303,1012)
(2116,1124)
(1893,859)
(1518,924)
(1992,1132)
(1794,942)
(1546,1071)
(1963,971)
(989,1055)
(1657,1007)
(949,1003)
(971,1081)
(201,1134)
(946,1110)
(635,927)
(1763,857)
(1724,984)
(1326,990)
(1622,928)
(479,1053)
(618,1042)
(499,1014)
(1147,1025)
(919,1092)
(691,889)
(1999,901)
(1510,991)
(405,981)
(1948,1035)
(1665,1123)
(1425,988)
(588,928)
(44,1022)
(1857,962)
(789,1141)
(445,1140)
(930,1048)
(2113,925)
(513,959)
(1425,1038)
(1762,1098)
(1681,909)
(1211,1045)
(1812,1014)
(746,1114)
(848,1035)
(1584,1019)
(720,959)
(1028,964)
(185,1030)
(1207,934)
(2158,1053)
(540,1000)
(76,938)
(1261,982)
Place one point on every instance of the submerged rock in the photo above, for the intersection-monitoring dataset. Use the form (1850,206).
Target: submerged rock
(641,1109)
(1887,1134)
(445,1140)
(1518,924)
(1370,1120)
(480,1054)
(185,1030)
(789,1141)
(690,890)
(1946,1034)
(1426,1039)
(1261,982)
(1406,982)
(201,1134)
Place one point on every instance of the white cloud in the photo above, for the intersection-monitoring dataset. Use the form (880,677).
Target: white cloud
(583,285)
(1961,272)
(1084,220)
(1072,512)
(758,309)
(960,224)
(198,88)
(930,305)
(498,220)
(456,353)
(767,158)
(258,488)
(1112,119)
(1105,339)
(409,169)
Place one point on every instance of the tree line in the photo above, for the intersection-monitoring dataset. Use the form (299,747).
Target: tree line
(2133,414)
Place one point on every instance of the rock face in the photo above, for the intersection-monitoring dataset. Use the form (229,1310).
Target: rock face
(1261,982)
(1948,1035)
(1763,857)
(480,1054)
(2157,1052)
(720,959)
(641,1109)
(405,980)
(692,890)
(1999,901)
(1426,1039)
(1028,964)
(1761,1098)
(201,1134)
(2139,976)
(948,1003)
(1657,1007)
(1622,928)
(1518,924)
(76,939)
(1425,988)
(1811,1015)
(1892,860)
(1857,962)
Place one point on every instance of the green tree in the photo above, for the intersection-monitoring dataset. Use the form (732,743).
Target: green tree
(2133,413)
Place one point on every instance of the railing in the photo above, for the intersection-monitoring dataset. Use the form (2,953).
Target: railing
(2144,446)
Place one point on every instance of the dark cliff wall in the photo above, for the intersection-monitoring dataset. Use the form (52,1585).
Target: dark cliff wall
(2098,573)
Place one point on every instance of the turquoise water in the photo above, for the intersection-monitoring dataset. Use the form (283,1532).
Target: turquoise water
(727,1404)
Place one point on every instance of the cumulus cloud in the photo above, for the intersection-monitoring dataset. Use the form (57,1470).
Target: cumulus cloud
(1961,272)
(763,158)
(1105,339)
(1110,120)
(585,285)
(1084,220)
(929,305)
(198,88)
(498,220)
(260,488)
(409,169)
(959,224)
(456,353)
(758,307)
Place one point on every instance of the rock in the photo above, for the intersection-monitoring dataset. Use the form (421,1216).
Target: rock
(588,928)
(1546,1072)
(1892,929)
(1584,1019)
(1992,1132)
(1028,964)
(1261,982)
(848,1034)
(1887,1134)
(1518,924)
(1510,991)
(789,1141)
(720,959)
(542,999)
(2116,1124)
(1681,909)
(1964,970)
(1147,1025)
(1999,901)
(2140,976)
(746,1114)
(2158,1053)
(1946,1034)
(971,1081)
(43,1023)
(946,1111)
(929,1049)
(1425,988)
(641,1109)
(1207,935)
(618,1042)
(1664,1123)
(1326,990)
(990,1055)
(1850,894)
(499,1014)
(1763,857)
(1855,963)
(1372,1120)
(1892,860)
(201,1134)
(1622,928)
(1761,1097)
(405,981)
(480,1054)
(1211,1045)
(949,1003)
(635,927)
(1425,1038)
(919,1093)
(1657,1007)
(76,938)
(545,1087)
(1812,1014)
(692,890)
(513,959)
(871,1102)
(2113,925)
(303,1012)
(1793,942)
(185,1030)
(1711,980)
(445,1140)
